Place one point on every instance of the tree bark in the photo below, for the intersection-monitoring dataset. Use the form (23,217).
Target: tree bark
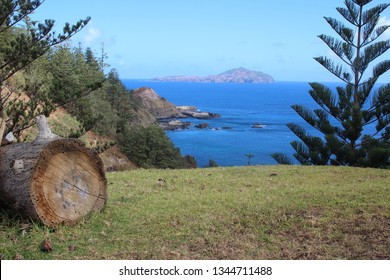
(2,124)
(52,181)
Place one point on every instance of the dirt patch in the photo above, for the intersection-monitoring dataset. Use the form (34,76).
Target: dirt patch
(363,236)
(115,160)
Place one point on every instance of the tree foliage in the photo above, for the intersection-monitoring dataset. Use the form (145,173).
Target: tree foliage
(40,72)
(25,47)
(108,110)
(23,41)
(354,118)
(149,147)
(61,77)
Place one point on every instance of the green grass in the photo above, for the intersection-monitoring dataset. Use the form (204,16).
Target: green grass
(265,212)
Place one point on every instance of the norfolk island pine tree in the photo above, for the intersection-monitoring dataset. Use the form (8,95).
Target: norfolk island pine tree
(345,114)
(19,49)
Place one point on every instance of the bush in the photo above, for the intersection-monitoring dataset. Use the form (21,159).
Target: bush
(149,147)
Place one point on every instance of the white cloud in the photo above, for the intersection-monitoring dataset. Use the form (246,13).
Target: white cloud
(93,34)
(385,21)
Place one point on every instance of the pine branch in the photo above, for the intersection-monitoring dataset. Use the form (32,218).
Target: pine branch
(371,35)
(373,14)
(323,123)
(315,145)
(379,119)
(365,141)
(28,51)
(22,13)
(344,97)
(381,68)
(338,70)
(350,13)
(302,153)
(282,159)
(305,114)
(345,33)
(343,50)
(5,13)
(325,98)
(371,53)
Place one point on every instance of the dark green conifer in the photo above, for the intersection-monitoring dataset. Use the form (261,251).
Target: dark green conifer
(354,118)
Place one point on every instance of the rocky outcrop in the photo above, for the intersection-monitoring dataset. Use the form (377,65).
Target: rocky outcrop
(150,107)
(202,125)
(237,75)
(173,124)
(186,108)
(193,112)
(158,106)
(201,115)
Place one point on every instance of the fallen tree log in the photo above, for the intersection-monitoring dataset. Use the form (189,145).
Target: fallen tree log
(51,180)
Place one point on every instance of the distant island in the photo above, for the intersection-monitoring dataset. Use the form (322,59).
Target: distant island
(237,75)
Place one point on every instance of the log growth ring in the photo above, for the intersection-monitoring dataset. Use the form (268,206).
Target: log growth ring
(68,182)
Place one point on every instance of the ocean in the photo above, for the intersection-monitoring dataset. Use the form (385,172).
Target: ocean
(240,106)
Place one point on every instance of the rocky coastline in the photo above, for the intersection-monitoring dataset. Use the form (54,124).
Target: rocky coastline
(174,123)
(193,112)
(153,109)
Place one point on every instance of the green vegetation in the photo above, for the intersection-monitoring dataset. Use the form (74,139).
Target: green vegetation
(23,41)
(60,78)
(269,212)
(343,118)
(38,75)
(149,147)
(100,104)
(212,163)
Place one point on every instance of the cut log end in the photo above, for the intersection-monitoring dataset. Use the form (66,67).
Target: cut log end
(63,181)
(68,183)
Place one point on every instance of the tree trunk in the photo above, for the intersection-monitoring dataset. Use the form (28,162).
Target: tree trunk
(2,124)
(55,182)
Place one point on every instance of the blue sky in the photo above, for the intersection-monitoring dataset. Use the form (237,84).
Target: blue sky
(152,38)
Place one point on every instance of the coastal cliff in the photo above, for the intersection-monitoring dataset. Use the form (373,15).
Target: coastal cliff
(237,75)
(151,108)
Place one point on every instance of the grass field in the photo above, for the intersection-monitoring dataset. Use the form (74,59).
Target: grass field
(264,212)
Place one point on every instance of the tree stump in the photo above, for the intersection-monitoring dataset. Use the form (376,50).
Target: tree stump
(55,182)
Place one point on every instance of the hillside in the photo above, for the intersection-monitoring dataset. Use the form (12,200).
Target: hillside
(237,75)
(150,106)
(146,108)
(62,123)
(264,212)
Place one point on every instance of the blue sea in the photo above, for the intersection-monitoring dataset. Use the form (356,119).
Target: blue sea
(240,105)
